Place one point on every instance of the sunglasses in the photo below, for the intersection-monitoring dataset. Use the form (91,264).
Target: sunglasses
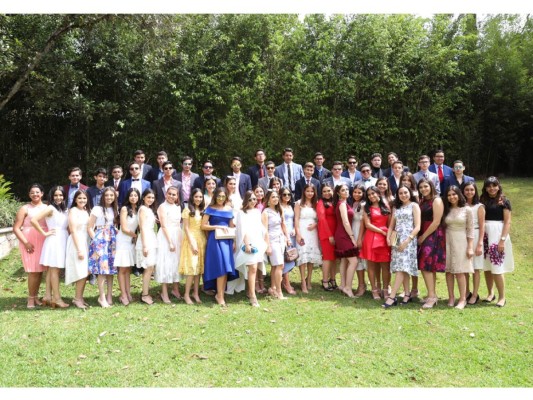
(286,194)
(352,162)
(221,196)
(167,168)
(206,167)
(270,167)
(252,199)
(134,168)
(365,171)
(187,164)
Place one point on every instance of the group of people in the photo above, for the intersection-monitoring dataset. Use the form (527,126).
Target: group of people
(170,226)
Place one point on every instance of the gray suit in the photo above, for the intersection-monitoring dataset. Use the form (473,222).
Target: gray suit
(343,179)
(431,177)
(371,182)
(264,182)
(297,173)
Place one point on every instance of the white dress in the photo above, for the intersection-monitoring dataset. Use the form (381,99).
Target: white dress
(55,246)
(249,223)
(76,269)
(166,270)
(477,260)
(125,253)
(310,252)
(356,227)
(151,241)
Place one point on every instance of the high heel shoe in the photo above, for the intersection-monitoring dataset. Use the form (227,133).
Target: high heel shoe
(147,299)
(475,301)
(489,299)
(360,291)
(167,301)
(59,304)
(376,294)
(409,299)
(501,305)
(394,302)
(45,302)
(326,285)
(333,284)
(79,304)
(430,302)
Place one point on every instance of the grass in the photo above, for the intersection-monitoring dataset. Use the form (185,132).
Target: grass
(317,340)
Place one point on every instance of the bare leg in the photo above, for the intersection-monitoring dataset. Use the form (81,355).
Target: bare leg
(78,300)
(326,266)
(122,285)
(252,271)
(48,287)
(414,290)
(476,278)
(361,285)
(176,290)
(499,280)
(34,282)
(343,264)
(302,277)
(195,294)
(221,287)
(188,285)
(333,272)
(350,272)
(430,281)
(450,286)
(109,279)
(490,285)
(145,293)
(371,269)
(309,278)
(128,283)
(101,280)
(461,282)
(386,275)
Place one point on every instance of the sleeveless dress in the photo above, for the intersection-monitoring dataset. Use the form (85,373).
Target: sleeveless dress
(431,253)
(275,237)
(344,247)
(103,246)
(459,228)
(219,259)
(477,260)
(356,228)
(310,251)
(375,246)
(191,264)
(76,269)
(125,254)
(288,215)
(166,269)
(55,246)
(496,262)
(405,261)
(150,238)
(327,224)
(30,261)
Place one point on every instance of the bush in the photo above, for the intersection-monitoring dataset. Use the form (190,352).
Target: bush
(8,210)
(5,189)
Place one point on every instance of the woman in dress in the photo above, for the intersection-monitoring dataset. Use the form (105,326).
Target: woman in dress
(275,184)
(375,249)
(103,233)
(431,240)
(405,222)
(192,254)
(459,224)
(306,228)
(345,242)
(470,192)
(286,202)
(327,224)
(358,229)
(498,248)
(146,245)
(383,185)
(55,244)
(250,244)
(210,184)
(278,237)
(219,261)
(407,179)
(260,196)
(169,244)
(31,244)
(76,263)
(126,237)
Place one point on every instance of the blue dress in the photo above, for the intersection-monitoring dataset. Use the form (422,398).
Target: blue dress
(219,259)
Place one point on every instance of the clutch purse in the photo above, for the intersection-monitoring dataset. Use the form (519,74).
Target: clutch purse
(221,234)
(253,249)
(394,239)
(291,254)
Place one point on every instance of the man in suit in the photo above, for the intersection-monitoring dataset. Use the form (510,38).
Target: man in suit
(424,172)
(258,170)
(116,173)
(351,172)
(320,171)
(161,185)
(375,160)
(242,180)
(367,179)
(394,179)
(139,157)
(289,172)
(438,167)
(187,178)
(301,183)
(74,176)
(94,193)
(265,181)
(392,158)
(457,178)
(135,181)
(336,177)
(207,169)
(157,173)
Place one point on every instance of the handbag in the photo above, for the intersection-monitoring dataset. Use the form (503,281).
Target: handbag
(291,254)
(221,234)
(394,239)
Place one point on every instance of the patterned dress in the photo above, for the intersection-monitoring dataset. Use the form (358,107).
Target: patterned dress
(288,214)
(432,252)
(103,246)
(496,262)
(404,261)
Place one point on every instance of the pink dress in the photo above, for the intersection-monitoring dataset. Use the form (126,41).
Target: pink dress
(30,261)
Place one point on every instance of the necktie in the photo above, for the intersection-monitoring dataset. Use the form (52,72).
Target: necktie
(441,175)
(261,172)
(116,185)
(133,180)
(289,175)
(425,175)
(307,181)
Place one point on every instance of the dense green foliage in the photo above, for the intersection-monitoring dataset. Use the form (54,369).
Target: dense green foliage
(221,85)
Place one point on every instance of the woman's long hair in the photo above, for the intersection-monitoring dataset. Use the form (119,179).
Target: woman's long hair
(382,206)
(127,203)
(191,206)
(61,206)
(114,206)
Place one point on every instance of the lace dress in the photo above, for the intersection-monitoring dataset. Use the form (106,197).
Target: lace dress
(310,251)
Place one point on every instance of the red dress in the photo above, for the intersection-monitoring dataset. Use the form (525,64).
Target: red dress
(327,223)
(375,246)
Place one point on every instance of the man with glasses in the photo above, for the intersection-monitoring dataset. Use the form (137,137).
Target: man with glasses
(258,170)
(242,180)
(352,173)
(135,181)
(187,178)
(139,157)
(438,167)
(320,171)
(289,172)
(207,170)
(424,172)
(307,179)
(161,186)
(336,177)
(457,178)
(265,181)
(367,179)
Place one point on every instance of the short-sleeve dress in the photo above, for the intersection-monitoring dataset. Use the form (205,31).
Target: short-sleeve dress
(375,246)
(30,261)
(404,261)
(310,251)
(344,247)
(76,269)
(496,262)
(192,264)
(288,215)
(150,238)
(125,254)
(103,246)
(432,252)
(459,228)
(55,246)
(166,269)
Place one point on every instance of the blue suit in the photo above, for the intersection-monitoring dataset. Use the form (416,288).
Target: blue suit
(357,176)
(452,181)
(297,173)
(446,171)
(125,185)
(392,185)
(431,177)
(300,184)
(245,183)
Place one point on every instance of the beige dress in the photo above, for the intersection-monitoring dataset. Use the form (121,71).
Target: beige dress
(459,228)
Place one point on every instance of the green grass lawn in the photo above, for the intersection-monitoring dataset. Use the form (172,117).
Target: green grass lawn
(318,340)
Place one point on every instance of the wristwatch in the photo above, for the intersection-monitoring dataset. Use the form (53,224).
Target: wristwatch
(503,238)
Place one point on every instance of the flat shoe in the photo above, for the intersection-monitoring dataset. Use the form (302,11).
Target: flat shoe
(501,305)
(489,300)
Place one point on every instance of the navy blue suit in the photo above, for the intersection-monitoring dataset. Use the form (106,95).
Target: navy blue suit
(253,172)
(452,181)
(153,175)
(245,183)
(159,186)
(357,177)
(326,173)
(388,172)
(446,171)
(125,185)
(300,184)
(392,185)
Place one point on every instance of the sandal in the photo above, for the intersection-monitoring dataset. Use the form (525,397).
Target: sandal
(376,294)
(333,284)
(289,289)
(147,299)
(394,302)
(409,299)
(326,285)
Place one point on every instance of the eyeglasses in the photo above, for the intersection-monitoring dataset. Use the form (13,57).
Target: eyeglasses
(337,169)
(352,162)
(458,168)
(286,194)
(235,165)
(207,167)
(221,196)
(134,168)
(252,199)
(270,167)
(365,171)
(167,168)
(187,164)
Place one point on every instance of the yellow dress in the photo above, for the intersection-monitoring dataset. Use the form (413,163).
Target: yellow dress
(191,264)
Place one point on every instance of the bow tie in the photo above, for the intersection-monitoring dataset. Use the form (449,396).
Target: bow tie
(366,180)
(135,180)
(74,186)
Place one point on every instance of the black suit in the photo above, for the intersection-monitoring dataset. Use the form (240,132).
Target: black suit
(111,183)
(300,184)
(159,186)
(253,171)
(153,175)
(326,173)
(245,183)
(199,182)
(392,185)
(146,168)
(388,172)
